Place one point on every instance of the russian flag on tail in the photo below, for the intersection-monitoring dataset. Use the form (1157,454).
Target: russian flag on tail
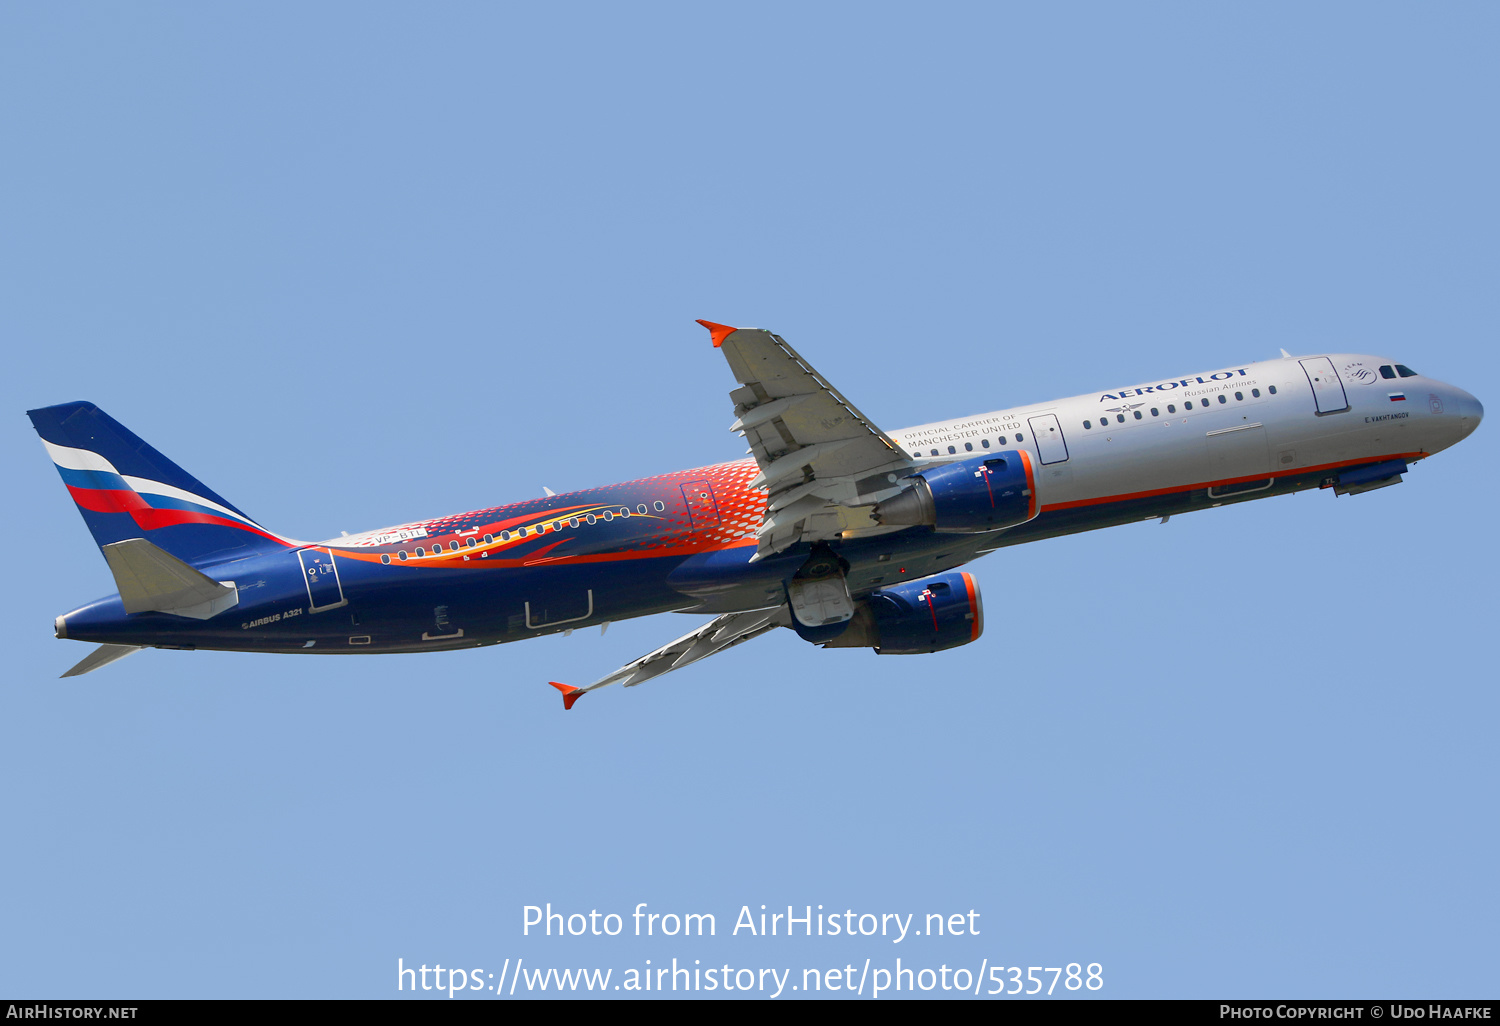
(126,489)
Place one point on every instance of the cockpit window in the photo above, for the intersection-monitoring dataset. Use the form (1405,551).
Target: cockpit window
(1387,371)
(1405,371)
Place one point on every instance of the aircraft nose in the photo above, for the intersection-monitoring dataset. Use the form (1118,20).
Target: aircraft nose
(1470,412)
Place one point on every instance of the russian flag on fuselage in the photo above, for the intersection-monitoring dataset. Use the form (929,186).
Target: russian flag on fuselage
(1396,397)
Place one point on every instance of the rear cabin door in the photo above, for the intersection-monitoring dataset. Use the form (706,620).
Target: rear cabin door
(1049,438)
(324,589)
(1328,390)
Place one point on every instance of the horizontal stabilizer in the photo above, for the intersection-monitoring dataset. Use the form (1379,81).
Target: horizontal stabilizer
(718,634)
(151,579)
(570,694)
(101,656)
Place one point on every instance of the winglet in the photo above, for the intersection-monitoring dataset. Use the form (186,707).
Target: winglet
(570,694)
(718,332)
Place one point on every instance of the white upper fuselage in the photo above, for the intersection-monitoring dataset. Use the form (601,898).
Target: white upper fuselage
(1242,423)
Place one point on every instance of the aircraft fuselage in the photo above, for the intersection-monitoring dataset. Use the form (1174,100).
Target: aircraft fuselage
(684,541)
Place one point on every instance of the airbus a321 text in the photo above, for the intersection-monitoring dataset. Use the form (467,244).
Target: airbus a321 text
(831,527)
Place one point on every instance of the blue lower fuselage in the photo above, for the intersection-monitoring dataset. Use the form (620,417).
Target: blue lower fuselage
(298,599)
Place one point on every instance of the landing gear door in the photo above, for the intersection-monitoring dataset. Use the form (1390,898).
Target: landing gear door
(1050,443)
(324,590)
(1328,390)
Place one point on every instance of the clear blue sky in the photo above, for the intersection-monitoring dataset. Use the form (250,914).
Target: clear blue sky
(355,264)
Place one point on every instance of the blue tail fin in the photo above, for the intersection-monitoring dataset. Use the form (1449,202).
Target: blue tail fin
(126,489)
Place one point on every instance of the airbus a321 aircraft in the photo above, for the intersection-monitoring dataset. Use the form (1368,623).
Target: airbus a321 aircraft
(831,527)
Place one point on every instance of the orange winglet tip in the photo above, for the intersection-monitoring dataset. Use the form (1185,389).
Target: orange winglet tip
(570,693)
(718,332)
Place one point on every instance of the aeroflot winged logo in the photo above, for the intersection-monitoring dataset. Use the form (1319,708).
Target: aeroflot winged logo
(1167,386)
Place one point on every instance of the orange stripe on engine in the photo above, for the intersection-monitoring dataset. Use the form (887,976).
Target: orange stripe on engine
(973,604)
(1031,506)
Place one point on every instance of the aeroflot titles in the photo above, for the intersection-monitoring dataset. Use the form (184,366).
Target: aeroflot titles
(1169,385)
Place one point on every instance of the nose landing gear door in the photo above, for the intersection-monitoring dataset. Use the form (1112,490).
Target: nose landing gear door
(1328,390)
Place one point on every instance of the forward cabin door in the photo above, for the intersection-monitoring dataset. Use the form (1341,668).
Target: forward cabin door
(1328,390)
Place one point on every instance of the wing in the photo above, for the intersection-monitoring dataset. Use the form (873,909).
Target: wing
(819,457)
(715,636)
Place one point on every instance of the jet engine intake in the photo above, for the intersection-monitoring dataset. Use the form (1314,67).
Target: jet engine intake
(987,493)
(930,614)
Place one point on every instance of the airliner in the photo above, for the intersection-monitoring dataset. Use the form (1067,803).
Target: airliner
(829,526)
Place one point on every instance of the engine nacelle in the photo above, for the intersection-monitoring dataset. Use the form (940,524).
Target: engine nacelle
(987,493)
(930,614)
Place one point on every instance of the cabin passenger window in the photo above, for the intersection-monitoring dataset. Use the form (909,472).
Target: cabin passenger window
(472,543)
(1155,412)
(1222,400)
(453,545)
(934,452)
(952,451)
(1238,396)
(401,555)
(1002,439)
(609,515)
(660,507)
(1171,408)
(505,536)
(522,532)
(421,551)
(590,518)
(641,509)
(985,442)
(489,538)
(624,511)
(1020,437)
(1255,392)
(1271,389)
(1120,417)
(1137,414)
(572,521)
(968,447)
(385,557)
(1387,371)
(1087,426)
(1405,371)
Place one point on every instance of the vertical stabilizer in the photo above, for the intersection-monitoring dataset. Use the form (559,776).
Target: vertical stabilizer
(126,489)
